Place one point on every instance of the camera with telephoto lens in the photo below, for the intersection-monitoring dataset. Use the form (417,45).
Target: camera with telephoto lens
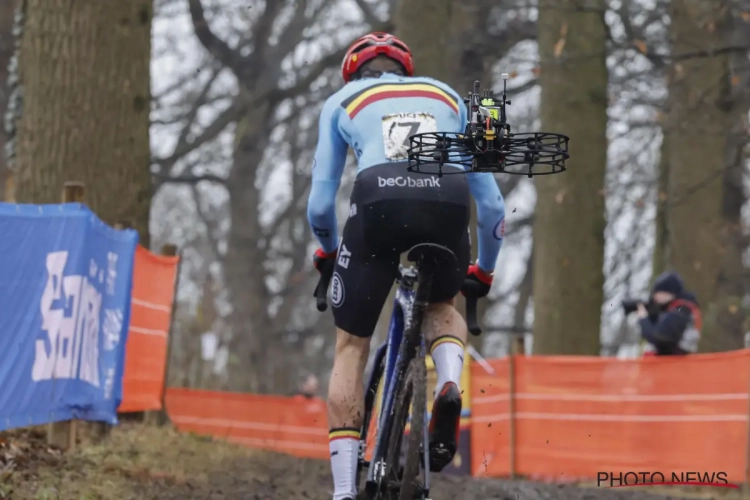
(631,305)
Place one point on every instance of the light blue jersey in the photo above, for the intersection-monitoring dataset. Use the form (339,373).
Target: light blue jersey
(375,117)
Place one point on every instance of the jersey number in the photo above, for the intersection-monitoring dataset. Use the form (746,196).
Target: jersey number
(399,127)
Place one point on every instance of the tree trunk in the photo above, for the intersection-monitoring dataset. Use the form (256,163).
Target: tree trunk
(445,52)
(699,121)
(661,247)
(245,259)
(525,292)
(726,319)
(569,218)
(7,47)
(428,46)
(85,77)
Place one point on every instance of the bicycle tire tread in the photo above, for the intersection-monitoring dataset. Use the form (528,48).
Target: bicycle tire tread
(418,378)
(411,392)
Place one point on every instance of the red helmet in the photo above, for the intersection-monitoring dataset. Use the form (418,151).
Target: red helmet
(371,46)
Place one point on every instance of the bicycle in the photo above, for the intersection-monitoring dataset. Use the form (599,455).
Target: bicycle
(400,362)
(485,146)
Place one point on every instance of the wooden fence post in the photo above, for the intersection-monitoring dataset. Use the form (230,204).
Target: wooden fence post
(515,347)
(746,483)
(519,344)
(161,417)
(10,188)
(63,434)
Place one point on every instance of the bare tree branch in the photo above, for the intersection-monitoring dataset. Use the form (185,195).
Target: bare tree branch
(523,87)
(302,84)
(191,179)
(506,39)
(292,35)
(177,85)
(368,13)
(225,118)
(199,101)
(217,47)
(264,25)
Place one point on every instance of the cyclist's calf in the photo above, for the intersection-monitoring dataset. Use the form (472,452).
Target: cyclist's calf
(443,319)
(345,389)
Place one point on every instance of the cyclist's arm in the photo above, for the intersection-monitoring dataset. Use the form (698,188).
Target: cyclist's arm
(669,329)
(328,166)
(490,212)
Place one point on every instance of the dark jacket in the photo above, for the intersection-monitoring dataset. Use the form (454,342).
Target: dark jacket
(675,329)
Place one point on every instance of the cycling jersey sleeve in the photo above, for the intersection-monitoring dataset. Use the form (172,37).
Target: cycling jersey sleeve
(490,213)
(328,166)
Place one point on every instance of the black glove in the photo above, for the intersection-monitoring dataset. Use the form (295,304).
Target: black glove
(477,283)
(324,262)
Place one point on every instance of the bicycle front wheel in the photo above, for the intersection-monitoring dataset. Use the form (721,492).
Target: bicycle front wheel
(405,484)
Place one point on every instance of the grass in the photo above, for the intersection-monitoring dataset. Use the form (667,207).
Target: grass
(134,458)
(143,462)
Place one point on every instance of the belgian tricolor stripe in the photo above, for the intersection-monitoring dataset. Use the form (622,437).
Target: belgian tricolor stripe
(445,339)
(343,433)
(359,101)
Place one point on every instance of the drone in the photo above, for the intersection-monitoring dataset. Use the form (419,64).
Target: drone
(487,143)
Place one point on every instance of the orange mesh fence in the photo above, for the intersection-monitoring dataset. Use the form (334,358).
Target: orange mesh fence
(296,426)
(490,419)
(146,349)
(576,416)
(573,417)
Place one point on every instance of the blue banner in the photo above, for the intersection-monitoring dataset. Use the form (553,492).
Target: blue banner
(65,286)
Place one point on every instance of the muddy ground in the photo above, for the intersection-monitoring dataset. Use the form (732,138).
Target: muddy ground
(144,462)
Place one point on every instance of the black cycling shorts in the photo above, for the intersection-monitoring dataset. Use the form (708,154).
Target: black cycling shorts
(392,210)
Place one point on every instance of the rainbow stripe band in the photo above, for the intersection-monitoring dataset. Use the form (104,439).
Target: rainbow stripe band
(443,340)
(344,433)
(359,101)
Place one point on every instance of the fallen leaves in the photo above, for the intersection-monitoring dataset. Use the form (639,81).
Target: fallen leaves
(24,449)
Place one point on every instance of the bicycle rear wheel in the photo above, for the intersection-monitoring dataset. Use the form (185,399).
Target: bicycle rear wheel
(404,484)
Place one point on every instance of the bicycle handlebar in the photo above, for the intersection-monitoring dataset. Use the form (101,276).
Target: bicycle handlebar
(321,290)
(321,298)
(471,316)
(472,297)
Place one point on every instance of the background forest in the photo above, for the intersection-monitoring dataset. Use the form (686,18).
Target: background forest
(210,138)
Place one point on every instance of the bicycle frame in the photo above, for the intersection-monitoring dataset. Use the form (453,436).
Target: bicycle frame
(387,358)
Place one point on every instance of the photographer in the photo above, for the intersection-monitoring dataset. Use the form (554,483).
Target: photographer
(670,321)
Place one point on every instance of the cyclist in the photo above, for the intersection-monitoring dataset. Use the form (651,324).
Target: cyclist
(391,210)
